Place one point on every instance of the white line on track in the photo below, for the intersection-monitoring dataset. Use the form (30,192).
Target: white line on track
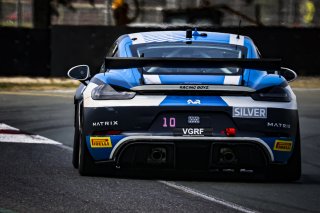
(22,138)
(9,134)
(7,127)
(18,137)
(208,197)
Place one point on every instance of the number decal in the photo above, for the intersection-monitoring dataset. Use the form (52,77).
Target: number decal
(164,122)
(172,122)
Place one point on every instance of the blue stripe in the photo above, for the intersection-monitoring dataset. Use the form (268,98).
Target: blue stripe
(193,101)
(191,79)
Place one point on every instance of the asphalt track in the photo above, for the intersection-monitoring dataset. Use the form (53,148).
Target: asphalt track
(40,177)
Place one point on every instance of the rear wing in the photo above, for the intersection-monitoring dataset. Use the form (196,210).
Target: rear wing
(269,65)
(135,62)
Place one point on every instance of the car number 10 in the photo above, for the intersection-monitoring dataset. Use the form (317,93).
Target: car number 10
(172,122)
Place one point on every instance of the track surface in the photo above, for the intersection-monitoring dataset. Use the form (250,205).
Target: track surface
(40,177)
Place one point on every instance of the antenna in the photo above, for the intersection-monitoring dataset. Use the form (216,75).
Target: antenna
(189,36)
(238,36)
(188,33)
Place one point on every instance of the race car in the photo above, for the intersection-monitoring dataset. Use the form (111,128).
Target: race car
(187,102)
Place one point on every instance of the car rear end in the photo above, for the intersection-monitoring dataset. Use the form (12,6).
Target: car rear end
(214,119)
(227,134)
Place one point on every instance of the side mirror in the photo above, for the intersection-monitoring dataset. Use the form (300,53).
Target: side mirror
(80,72)
(288,74)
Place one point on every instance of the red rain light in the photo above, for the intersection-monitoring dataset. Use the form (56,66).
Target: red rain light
(231,132)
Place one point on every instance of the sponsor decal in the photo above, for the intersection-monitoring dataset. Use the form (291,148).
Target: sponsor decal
(192,131)
(284,146)
(249,112)
(100,142)
(278,125)
(105,123)
(197,101)
(193,120)
(195,87)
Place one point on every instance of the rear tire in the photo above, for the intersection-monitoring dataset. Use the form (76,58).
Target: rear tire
(75,153)
(292,170)
(76,138)
(86,163)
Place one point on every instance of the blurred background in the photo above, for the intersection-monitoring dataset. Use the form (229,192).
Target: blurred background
(44,13)
(46,37)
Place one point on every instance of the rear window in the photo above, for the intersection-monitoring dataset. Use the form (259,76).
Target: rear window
(194,50)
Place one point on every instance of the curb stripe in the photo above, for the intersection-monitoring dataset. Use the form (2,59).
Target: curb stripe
(9,134)
(10,131)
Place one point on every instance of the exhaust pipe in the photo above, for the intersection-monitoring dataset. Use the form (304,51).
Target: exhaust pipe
(157,155)
(227,155)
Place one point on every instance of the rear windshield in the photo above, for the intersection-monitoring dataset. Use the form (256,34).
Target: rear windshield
(194,50)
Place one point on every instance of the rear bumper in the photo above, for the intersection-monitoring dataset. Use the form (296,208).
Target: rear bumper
(183,156)
(151,140)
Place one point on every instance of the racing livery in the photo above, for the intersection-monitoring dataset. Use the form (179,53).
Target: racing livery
(187,102)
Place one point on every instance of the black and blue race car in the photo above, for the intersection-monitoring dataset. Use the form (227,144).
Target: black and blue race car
(181,102)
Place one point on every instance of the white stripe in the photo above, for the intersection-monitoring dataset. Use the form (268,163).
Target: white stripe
(152,79)
(208,197)
(235,40)
(235,101)
(137,38)
(231,80)
(7,127)
(22,138)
